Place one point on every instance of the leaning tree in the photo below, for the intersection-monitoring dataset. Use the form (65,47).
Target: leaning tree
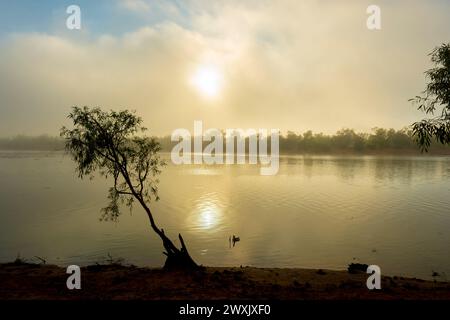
(435,101)
(113,145)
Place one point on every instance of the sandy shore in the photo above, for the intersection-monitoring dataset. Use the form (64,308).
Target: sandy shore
(33,281)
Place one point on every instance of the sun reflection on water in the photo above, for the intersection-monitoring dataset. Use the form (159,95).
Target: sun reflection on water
(207,214)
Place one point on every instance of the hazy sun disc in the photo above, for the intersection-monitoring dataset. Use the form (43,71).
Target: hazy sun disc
(208,81)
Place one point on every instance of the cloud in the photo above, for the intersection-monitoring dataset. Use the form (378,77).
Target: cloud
(286,64)
(135,5)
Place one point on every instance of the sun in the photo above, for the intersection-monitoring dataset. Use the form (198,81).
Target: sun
(207,80)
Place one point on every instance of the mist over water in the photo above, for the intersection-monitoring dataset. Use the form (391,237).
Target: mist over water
(317,212)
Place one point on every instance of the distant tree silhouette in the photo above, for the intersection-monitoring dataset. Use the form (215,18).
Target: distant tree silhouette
(435,99)
(107,143)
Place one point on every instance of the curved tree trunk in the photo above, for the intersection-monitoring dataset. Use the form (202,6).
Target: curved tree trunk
(176,258)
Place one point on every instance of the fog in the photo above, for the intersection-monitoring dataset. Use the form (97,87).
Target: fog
(290,65)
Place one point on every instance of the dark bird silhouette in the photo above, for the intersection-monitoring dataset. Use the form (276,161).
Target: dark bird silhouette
(235,239)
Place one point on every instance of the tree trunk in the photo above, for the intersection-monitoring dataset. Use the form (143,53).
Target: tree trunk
(177,259)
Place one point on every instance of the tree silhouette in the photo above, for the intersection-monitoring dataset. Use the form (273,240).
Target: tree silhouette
(109,143)
(435,99)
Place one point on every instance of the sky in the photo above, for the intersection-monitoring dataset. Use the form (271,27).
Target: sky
(285,64)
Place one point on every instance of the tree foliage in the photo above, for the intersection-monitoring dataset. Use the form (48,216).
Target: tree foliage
(109,143)
(435,101)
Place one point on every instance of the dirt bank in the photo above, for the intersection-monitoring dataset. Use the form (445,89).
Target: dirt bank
(32,281)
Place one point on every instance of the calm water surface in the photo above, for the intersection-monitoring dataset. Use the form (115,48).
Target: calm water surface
(318,212)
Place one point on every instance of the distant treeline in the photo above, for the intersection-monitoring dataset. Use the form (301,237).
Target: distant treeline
(346,141)
(379,141)
(36,143)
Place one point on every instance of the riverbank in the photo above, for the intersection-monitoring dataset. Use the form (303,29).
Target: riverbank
(117,282)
